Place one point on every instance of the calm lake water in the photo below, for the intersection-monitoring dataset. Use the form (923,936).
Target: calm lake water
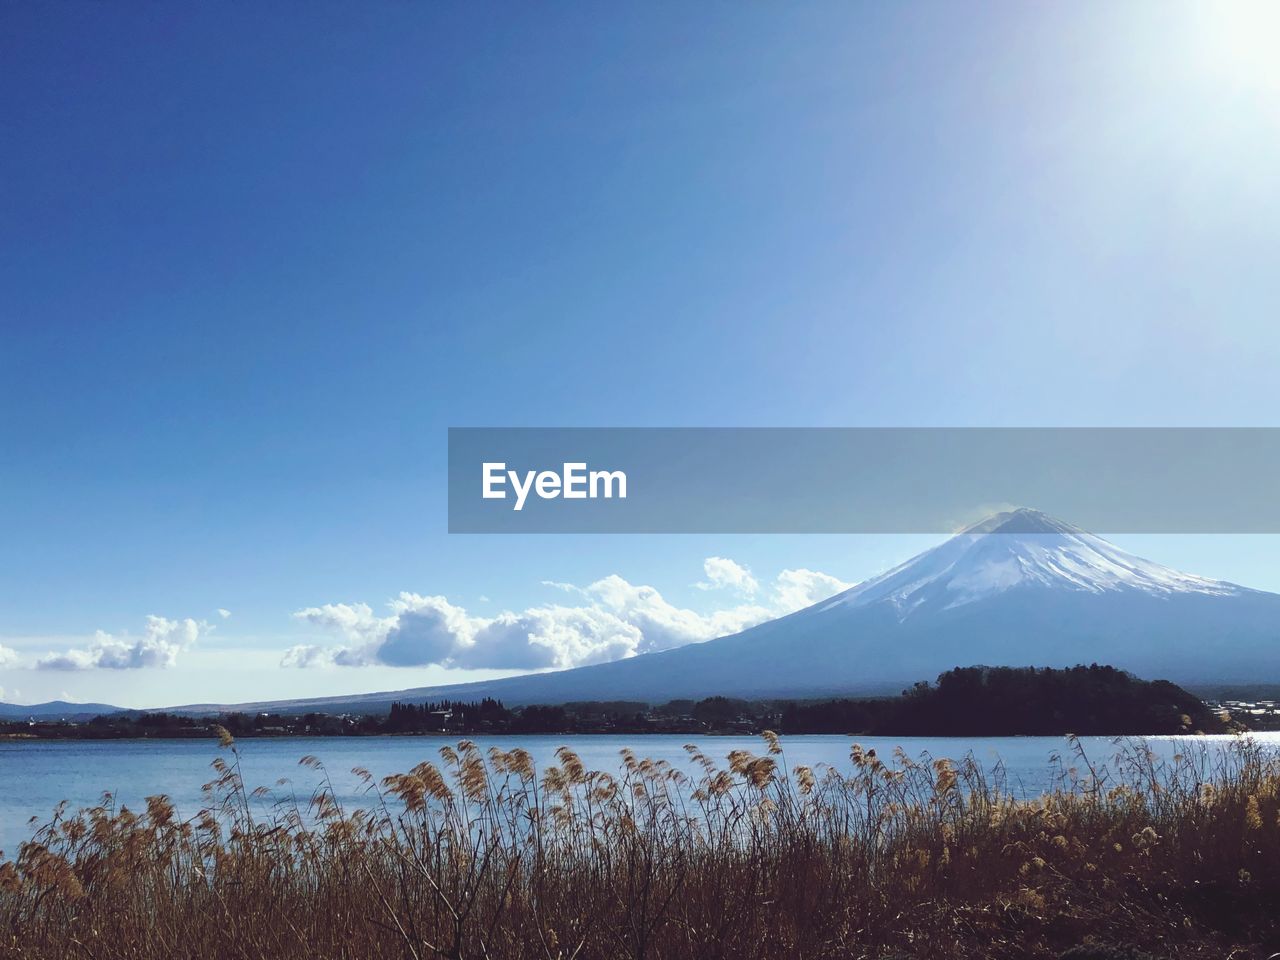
(37,775)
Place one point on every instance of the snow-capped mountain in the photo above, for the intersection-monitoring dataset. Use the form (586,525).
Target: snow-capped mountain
(1019,549)
(1018,589)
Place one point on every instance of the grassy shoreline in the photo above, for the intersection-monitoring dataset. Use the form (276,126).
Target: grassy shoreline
(482,855)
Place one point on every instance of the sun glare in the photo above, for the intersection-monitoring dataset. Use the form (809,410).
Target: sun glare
(1244,37)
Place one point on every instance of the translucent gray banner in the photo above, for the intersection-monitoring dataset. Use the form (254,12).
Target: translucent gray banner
(859,480)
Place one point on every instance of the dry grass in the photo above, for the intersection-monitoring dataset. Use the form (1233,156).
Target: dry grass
(485,857)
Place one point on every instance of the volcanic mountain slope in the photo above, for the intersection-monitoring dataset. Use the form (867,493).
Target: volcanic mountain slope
(1020,588)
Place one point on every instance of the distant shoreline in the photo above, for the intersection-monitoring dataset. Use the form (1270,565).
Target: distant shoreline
(966,702)
(718,735)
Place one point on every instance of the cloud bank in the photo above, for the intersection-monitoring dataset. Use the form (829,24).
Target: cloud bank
(612,619)
(158,646)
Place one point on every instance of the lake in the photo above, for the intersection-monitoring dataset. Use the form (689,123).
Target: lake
(36,775)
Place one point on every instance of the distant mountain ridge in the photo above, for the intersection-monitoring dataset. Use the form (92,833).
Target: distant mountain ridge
(54,710)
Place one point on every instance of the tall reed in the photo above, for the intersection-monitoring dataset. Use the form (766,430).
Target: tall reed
(485,856)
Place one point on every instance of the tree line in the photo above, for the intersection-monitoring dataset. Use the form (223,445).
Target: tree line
(966,701)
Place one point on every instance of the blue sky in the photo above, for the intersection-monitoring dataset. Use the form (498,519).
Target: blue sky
(257,260)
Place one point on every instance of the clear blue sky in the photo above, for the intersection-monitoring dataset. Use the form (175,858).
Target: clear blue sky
(257,258)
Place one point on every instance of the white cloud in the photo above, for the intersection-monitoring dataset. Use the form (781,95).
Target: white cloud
(158,646)
(723,573)
(566,587)
(424,630)
(8,656)
(614,619)
(550,636)
(664,625)
(797,589)
(224,613)
(307,655)
(355,621)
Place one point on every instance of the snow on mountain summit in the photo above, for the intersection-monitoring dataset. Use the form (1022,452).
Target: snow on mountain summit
(1020,549)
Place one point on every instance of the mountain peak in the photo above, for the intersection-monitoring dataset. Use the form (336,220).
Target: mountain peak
(1021,520)
(1035,551)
